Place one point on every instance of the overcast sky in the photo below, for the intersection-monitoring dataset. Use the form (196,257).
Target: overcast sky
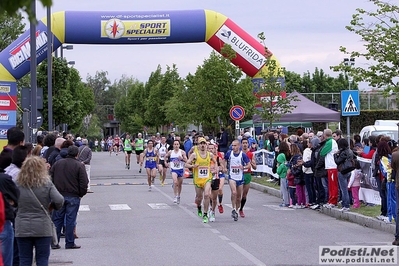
(302,34)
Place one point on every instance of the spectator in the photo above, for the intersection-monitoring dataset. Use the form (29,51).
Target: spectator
(330,147)
(70,178)
(15,137)
(33,227)
(223,144)
(282,158)
(36,151)
(84,156)
(356,138)
(10,195)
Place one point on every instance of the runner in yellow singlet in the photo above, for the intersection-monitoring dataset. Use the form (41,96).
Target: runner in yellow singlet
(200,161)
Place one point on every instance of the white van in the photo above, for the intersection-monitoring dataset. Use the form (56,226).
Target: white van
(375,130)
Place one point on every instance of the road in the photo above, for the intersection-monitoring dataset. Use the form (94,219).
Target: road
(122,223)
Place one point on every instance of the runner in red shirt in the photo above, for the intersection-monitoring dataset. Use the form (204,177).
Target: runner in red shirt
(247,174)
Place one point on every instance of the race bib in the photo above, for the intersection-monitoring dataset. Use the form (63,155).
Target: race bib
(235,173)
(127,145)
(203,172)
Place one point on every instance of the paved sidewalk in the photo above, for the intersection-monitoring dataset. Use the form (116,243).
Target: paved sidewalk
(348,216)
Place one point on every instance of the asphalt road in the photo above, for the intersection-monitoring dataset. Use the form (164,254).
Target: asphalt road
(122,223)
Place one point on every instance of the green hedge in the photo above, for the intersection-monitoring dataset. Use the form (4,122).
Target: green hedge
(365,118)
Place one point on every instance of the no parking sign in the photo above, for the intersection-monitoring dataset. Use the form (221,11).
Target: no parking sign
(237,113)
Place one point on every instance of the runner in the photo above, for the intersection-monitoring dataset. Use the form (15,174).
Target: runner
(215,182)
(139,148)
(162,149)
(238,162)
(176,157)
(150,155)
(110,143)
(247,174)
(222,175)
(127,147)
(200,161)
(117,142)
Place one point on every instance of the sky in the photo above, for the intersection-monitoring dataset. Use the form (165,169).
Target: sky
(302,35)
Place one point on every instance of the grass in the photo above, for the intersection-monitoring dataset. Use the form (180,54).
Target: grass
(263,181)
(371,211)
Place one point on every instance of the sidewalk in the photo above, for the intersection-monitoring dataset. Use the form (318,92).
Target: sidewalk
(347,216)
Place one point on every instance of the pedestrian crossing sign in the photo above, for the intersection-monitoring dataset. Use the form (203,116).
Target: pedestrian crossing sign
(350,104)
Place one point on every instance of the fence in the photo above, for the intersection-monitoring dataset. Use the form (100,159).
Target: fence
(369,100)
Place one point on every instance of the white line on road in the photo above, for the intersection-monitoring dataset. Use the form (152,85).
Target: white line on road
(247,254)
(119,207)
(84,208)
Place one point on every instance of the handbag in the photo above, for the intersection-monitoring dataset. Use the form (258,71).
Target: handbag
(54,237)
(348,166)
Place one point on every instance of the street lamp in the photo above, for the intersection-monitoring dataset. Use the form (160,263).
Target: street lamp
(66,47)
(349,62)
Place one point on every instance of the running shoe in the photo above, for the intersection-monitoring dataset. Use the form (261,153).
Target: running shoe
(241,213)
(234,215)
(199,212)
(205,219)
(160,177)
(175,200)
(162,184)
(128,166)
(178,200)
(344,209)
(212,216)
(220,207)
(140,170)
(152,180)
(149,188)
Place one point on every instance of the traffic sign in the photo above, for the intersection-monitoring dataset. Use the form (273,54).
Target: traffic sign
(237,113)
(350,104)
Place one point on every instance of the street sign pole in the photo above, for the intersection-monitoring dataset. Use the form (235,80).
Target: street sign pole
(237,128)
(350,106)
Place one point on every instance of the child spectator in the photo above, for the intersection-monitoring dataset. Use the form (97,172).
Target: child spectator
(354,185)
(292,189)
(283,156)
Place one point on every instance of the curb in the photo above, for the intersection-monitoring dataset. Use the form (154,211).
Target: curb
(357,218)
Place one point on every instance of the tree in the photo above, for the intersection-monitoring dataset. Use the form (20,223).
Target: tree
(158,96)
(104,105)
(379,30)
(11,27)
(72,100)
(12,6)
(130,109)
(273,104)
(216,86)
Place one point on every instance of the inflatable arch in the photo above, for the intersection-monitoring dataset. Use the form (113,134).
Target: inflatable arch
(112,27)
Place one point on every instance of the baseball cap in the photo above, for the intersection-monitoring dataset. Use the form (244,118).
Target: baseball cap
(201,140)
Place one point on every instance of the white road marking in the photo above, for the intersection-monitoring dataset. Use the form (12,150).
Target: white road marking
(84,208)
(247,254)
(159,206)
(119,207)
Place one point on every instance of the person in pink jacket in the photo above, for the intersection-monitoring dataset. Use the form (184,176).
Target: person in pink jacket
(354,185)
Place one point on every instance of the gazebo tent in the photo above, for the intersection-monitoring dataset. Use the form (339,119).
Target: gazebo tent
(305,111)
